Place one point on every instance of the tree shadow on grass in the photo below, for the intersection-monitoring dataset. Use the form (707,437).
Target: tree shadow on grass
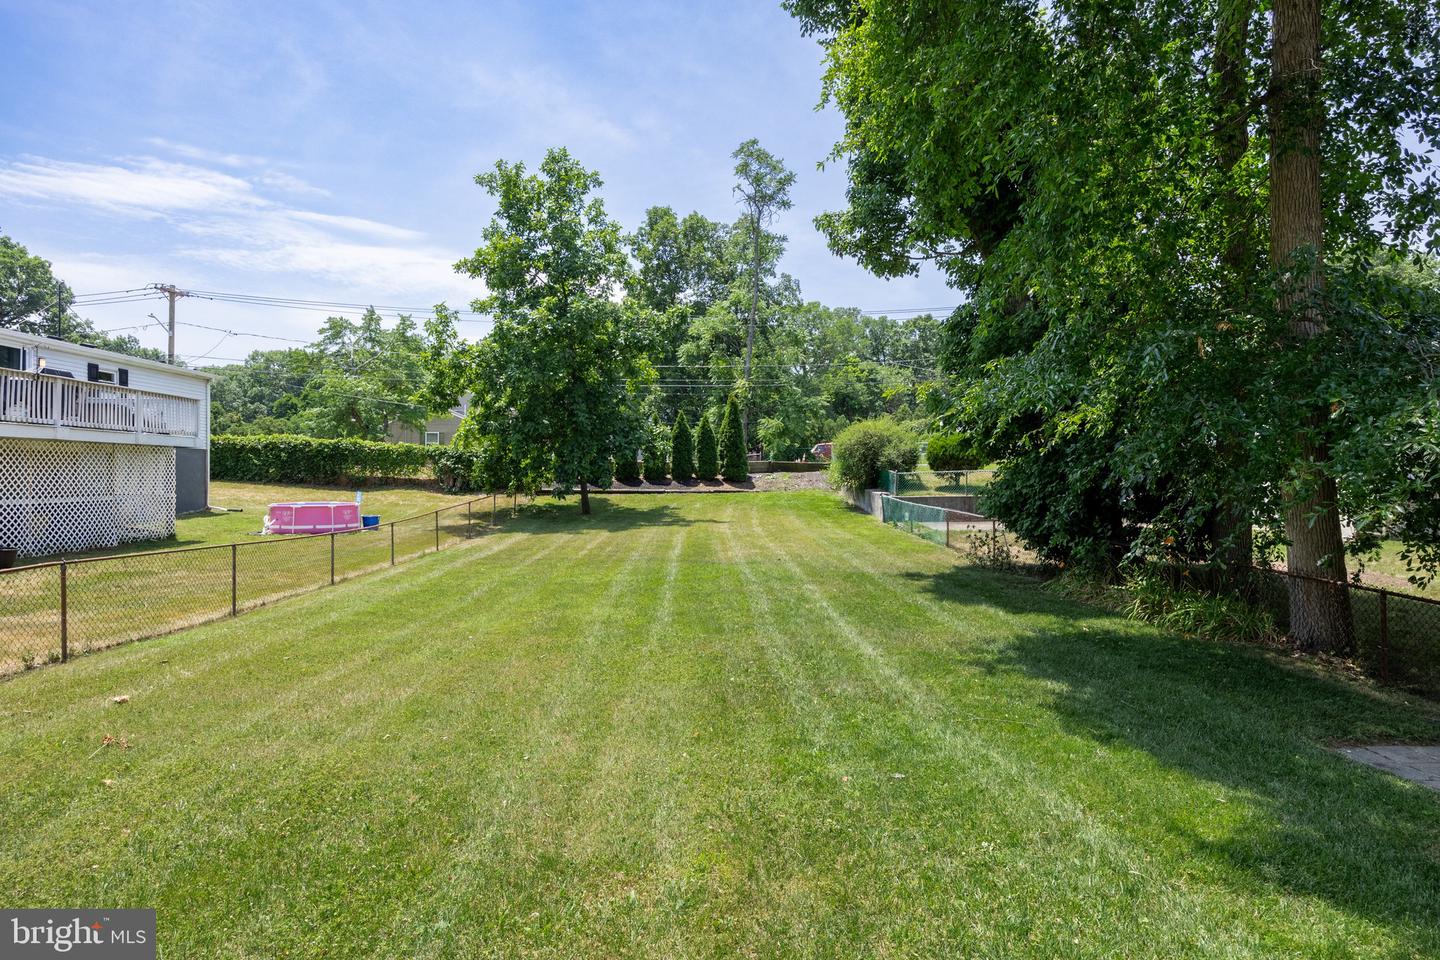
(617,515)
(1239,716)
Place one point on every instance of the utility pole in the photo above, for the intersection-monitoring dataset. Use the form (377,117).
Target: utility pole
(172,293)
(59,310)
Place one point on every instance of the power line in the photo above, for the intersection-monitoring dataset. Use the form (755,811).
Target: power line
(107,293)
(202,356)
(321,305)
(337,306)
(113,300)
(348,309)
(241,333)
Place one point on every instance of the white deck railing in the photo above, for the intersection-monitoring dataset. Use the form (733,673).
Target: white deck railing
(62,402)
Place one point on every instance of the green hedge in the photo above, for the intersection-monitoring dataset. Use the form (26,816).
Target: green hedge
(951,451)
(284,458)
(865,448)
(455,470)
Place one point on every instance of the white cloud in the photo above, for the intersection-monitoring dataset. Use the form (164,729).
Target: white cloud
(264,176)
(228,221)
(191,152)
(279,180)
(278,247)
(374,228)
(145,187)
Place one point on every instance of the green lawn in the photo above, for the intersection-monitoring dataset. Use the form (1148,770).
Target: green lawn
(754,725)
(1393,574)
(252,500)
(152,589)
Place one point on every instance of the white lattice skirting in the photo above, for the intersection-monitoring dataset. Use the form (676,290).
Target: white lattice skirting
(58,496)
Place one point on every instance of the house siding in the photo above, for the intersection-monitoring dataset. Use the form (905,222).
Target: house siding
(79,482)
(445,426)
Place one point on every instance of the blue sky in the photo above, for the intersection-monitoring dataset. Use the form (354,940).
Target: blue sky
(327,150)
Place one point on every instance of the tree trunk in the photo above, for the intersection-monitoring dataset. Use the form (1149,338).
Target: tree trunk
(1319,610)
(1232,526)
(584,499)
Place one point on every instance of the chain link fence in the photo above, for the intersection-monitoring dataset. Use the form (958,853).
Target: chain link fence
(964,483)
(50,612)
(1397,635)
(941,525)
(957,483)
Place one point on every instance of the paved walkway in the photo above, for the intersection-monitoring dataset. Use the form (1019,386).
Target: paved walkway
(1421,764)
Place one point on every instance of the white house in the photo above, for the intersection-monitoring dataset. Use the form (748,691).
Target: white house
(96,448)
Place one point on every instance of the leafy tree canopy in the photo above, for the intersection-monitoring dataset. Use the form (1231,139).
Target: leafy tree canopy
(558,384)
(1095,178)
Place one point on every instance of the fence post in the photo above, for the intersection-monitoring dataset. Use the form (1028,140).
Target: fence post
(469,519)
(392,543)
(332,559)
(947,529)
(234,580)
(1384,637)
(437,529)
(64,612)
(515,504)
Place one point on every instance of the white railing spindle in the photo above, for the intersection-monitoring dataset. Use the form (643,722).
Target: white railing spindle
(39,399)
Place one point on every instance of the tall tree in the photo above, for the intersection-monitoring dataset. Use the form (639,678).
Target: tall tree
(763,186)
(363,377)
(553,384)
(707,457)
(32,300)
(734,465)
(1230,79)
(1106,207)
(682,449)
(1320,615)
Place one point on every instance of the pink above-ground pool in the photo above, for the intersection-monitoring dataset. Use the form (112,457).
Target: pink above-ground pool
(326,517)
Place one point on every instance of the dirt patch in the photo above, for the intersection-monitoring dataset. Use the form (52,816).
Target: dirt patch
(815,480)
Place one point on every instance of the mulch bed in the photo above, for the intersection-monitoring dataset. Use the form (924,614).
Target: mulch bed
(694,486)
(758,483)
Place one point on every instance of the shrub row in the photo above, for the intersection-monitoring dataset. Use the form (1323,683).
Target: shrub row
(682,453)
(286,458)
